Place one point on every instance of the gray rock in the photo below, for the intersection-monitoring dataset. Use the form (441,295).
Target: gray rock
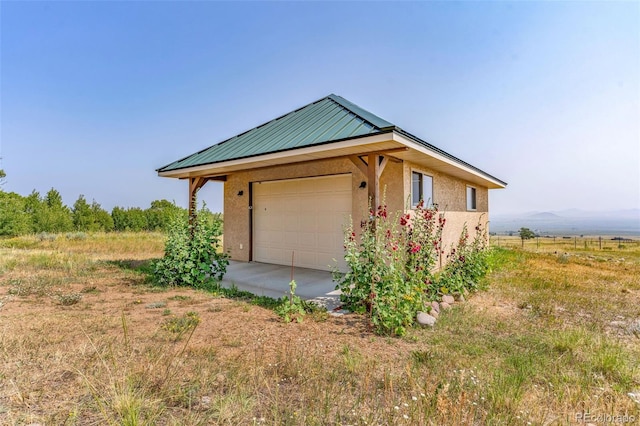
(445,305)
(435,306)
(448,299)
(460,297)
(425,320)
(434,313)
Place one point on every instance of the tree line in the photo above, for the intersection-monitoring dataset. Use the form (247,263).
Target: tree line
(35,213)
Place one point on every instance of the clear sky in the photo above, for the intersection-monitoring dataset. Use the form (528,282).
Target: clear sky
(545,95)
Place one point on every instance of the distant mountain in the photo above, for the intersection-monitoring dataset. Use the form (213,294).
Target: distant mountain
(544,216)
(570,222)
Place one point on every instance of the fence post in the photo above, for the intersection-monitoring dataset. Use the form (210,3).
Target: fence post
(575,243)
(600,243)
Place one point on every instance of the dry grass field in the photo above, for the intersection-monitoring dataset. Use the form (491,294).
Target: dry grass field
(86,339)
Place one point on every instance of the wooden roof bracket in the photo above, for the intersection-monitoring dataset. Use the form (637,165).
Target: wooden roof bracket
(372,169)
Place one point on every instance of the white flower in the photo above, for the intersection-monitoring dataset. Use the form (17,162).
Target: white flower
(405,416)
(396,408)
(414,398)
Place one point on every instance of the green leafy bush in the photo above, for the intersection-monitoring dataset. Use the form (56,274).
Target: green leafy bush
(192,255)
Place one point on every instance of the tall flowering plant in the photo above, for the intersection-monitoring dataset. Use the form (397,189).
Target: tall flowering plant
(467,262)
(390,266)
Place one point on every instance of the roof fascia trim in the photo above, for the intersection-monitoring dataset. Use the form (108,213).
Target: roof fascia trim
(421,146)
(344,143)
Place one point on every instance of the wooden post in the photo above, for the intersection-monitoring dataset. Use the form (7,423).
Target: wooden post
(373,167)
(195,183)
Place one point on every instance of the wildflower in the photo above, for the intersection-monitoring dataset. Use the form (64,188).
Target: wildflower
(403,220)
(396,408)
(382,212)
(405,404)
(414,398)
(404,416)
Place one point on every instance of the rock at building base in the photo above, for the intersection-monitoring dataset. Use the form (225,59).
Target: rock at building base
(425,320)
(448,299)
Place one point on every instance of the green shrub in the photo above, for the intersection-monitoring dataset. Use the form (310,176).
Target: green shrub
(192,254)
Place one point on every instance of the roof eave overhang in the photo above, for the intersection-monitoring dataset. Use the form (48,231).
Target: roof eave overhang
(417,153)
(431,158)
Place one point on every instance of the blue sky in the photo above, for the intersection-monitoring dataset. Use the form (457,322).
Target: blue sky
(545,95)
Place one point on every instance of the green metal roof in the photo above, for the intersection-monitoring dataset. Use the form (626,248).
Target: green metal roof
(329,119)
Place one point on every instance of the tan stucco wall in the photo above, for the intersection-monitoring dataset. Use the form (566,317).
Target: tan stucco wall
(450,194)
(395,184)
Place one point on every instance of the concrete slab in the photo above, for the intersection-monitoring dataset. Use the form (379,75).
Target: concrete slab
(263,279)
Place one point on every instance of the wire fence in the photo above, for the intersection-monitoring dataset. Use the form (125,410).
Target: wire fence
(567,243)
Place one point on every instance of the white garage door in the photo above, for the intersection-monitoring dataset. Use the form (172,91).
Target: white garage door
(304,216)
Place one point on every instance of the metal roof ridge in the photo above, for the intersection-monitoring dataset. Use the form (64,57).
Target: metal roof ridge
(363,114)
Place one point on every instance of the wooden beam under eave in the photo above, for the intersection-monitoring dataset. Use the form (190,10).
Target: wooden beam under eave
(386,151)
(360,164)
(383,163)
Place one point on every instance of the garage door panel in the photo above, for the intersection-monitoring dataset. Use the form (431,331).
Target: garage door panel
(326,242)
(304,216)
(308,223)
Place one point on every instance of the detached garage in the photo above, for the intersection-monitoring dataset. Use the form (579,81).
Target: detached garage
(291,184)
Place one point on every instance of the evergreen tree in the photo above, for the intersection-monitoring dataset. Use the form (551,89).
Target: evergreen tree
(55,217)
(82,215)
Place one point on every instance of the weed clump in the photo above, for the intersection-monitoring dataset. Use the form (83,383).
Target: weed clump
(76,236)
(46,236)
(69,298)
(178,326)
